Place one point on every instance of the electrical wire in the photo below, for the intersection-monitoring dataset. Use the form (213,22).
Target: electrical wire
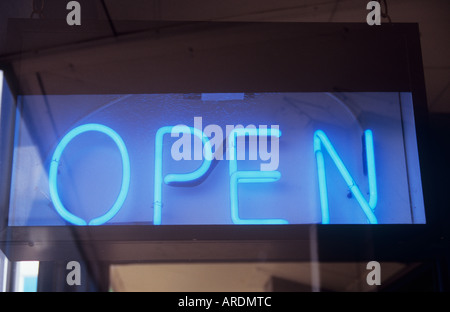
(37,10)
(385,14)
(345,106)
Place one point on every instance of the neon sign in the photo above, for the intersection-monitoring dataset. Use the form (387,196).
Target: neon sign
(320,138)
(173,178)
(236,176)
(306,167)
(170,179)
(53,179)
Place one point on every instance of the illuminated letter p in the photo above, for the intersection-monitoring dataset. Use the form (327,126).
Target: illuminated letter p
(172,179)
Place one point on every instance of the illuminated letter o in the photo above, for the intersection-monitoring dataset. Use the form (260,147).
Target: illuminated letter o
(53,174)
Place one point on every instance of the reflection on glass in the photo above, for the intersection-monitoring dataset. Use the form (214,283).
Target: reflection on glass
(366,131)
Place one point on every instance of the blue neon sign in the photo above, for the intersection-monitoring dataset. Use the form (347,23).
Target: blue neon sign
(264,159)
(239,176)
(174,178)
(320,138)
(53,174)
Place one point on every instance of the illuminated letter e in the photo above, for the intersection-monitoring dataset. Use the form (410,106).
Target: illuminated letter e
(74,16)
(373,18)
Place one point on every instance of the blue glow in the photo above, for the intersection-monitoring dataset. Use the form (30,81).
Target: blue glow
(250,177)
(53,175)
(243,132)
(320,138)
(253,176)
(323,192)
(179,177)
(371,171)
(313,187)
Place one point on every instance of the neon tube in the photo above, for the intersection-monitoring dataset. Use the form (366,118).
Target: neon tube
(320,138)
(242,132)
(252,176)
(179,177)
(371,170)
(53,175)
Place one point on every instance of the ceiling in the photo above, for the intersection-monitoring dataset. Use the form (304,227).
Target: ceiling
(106,18)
